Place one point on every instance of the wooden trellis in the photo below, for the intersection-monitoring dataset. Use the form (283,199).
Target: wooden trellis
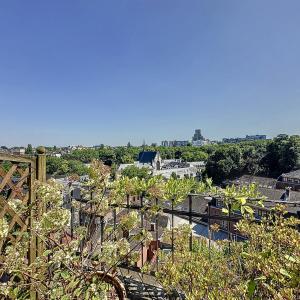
(17,176)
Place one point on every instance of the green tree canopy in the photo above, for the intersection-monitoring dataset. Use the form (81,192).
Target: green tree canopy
(134,171)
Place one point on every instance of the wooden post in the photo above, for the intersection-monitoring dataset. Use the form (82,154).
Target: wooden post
(33,240)
(41,176)
(36,245)
(41,164)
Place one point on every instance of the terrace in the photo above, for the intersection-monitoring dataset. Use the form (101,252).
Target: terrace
(129,281)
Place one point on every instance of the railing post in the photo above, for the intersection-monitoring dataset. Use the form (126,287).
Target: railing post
(101,236)
(142,225)
(156,233)
(128,211)
(40,174)
(209,231)
(190,221)
(172,224)
(41,164)
(72,215)
(228,228)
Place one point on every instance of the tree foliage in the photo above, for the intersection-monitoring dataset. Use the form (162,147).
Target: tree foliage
(29,149)
(134,171)
(267,158)
(224,161)
(59,166)
(266,266)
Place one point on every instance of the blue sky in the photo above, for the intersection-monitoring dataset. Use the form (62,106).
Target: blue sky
(91,72)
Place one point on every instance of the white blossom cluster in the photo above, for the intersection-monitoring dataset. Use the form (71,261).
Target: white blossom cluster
(50,192)
(55,219)
(3,228)
(130,220)
(17,205)
(112,251)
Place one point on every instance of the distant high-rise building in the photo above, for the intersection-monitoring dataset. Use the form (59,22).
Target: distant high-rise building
(197,135)
(180,143)
(174,143)
(18,150)
(256,137)
(247,138)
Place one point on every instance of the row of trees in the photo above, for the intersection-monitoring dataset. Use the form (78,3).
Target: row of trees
(271,158)
(123,155)
(224,161)
(60,166)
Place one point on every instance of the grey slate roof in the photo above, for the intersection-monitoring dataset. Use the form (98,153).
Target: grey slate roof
(275,194)
(292,174)
(147,157)
(199,204)
(260,181)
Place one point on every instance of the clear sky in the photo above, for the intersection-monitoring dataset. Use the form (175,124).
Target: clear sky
(94,71)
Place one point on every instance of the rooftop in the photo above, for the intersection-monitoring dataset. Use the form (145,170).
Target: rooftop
(147,157)
(292,174)
(260,181)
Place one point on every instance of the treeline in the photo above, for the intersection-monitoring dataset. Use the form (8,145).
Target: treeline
(114,156)
(60,166)
(224,161)
(126,155)
(265,158)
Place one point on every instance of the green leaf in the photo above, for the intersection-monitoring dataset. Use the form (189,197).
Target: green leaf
(245,255)
(242,200)
(72,284)
(16,291)
(251,288)
(248,209)
(77,292)
(285,273)
(87,296)
(266,254)
(260,278)
(65,274)
(290,258)
(47,252)
(225,211)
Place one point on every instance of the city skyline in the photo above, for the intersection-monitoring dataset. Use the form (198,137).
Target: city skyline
(110,72)
(149,143)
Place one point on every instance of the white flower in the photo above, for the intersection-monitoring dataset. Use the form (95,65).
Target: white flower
(3,228)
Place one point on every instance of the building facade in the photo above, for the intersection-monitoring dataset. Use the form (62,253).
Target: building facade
(248,138)
(197,135)
(289,180)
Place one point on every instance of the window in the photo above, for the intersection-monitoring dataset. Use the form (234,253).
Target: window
(219,203)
